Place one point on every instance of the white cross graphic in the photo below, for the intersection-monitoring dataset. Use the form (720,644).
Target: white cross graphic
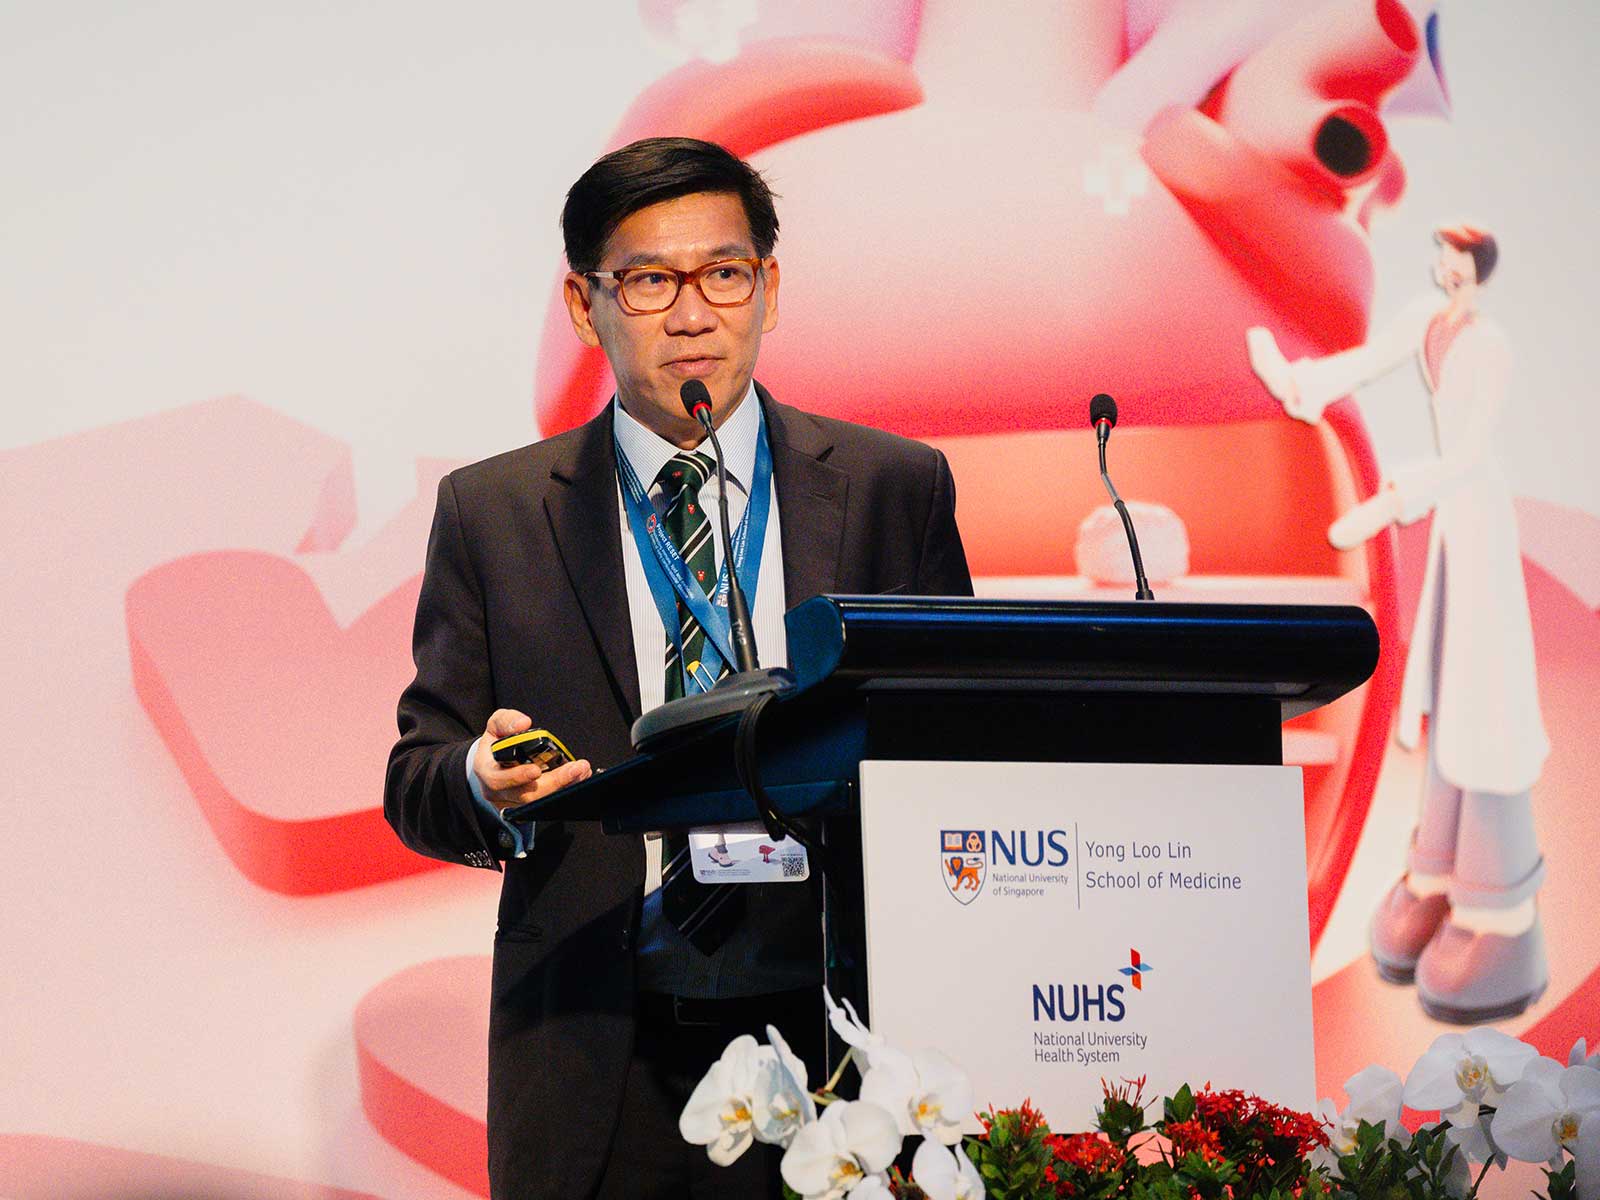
(1116,176)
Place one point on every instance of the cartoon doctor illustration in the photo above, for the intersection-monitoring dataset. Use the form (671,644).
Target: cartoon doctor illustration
(1462,921)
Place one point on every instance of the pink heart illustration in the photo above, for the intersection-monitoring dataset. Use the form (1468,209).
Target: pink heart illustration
(422,1040)
(279,719)
(273,680)
(52,1168)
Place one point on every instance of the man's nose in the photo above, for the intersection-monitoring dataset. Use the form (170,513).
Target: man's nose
(690,314)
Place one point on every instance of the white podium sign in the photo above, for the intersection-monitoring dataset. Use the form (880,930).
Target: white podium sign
(1050,925)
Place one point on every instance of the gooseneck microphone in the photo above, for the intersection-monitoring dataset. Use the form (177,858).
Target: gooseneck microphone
(744,692)
(697,403)
(1103,416)
(750,690)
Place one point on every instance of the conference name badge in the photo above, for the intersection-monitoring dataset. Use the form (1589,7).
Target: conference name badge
(745,853)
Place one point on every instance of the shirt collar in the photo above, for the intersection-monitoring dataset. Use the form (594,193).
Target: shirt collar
(647,451)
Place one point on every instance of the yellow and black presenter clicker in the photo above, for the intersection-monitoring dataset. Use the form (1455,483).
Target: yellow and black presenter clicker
(535,746)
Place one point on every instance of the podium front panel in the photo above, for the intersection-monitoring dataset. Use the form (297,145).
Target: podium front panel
(1047,925)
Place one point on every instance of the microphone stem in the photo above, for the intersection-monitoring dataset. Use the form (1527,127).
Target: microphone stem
(1142,585)
(744,648)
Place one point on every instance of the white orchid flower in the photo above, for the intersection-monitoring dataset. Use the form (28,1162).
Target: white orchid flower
(1580,1056)
(1327,1157)
(853,1031)
(782,1103)
(946,1173)
(1587,1152)
(721,1111)
(1462,1071)
(873,1187)
(1476,1142)
(926,1093)
(1375,1098)
(1547,1112)
(840,1153)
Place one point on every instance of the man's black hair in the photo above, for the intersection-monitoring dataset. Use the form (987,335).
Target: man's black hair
(648,172)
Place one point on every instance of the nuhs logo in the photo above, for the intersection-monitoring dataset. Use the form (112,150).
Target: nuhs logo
(1077,1002)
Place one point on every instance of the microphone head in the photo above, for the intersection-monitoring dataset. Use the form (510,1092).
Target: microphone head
(1101,408)
(694,395)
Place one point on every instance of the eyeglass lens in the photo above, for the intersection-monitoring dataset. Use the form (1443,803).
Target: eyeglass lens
(651,289)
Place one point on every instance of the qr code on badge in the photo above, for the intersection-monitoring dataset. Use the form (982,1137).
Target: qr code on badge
(794,866)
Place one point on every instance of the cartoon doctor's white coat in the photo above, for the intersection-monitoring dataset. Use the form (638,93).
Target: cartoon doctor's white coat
(1471,662)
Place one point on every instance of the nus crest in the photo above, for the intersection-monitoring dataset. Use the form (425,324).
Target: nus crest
(963,862)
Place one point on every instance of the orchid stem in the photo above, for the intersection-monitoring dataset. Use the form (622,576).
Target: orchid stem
(1478,1182)
(839,1074)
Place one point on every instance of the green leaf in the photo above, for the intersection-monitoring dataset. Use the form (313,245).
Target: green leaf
(1181,1106)
(1562,1184)
(1433,1153)
(1369,1137)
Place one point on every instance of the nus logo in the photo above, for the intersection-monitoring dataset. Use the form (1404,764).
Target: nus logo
(1028,848)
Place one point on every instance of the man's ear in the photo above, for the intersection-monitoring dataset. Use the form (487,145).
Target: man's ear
(769,289)
(575,291)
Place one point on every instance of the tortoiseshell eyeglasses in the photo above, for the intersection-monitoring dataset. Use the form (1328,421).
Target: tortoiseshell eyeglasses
(726,283)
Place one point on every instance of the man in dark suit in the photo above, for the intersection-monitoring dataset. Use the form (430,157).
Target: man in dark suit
(542,602)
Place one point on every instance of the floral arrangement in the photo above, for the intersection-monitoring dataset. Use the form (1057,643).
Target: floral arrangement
(1497,1099)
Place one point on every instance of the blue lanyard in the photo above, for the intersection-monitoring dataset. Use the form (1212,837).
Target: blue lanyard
(671,580)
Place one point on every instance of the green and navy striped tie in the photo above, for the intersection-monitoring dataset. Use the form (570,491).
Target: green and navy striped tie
(703,913)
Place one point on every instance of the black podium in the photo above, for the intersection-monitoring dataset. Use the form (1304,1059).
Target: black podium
(890,677)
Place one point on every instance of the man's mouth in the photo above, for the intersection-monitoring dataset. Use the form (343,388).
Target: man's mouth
(693,367)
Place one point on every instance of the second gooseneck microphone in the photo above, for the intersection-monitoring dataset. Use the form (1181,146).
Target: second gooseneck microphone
(1103,415)
(697,403)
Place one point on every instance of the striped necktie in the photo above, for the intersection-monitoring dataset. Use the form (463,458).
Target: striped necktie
(703,913)
(686,524)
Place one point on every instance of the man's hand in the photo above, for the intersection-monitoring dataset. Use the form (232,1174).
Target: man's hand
(507,787)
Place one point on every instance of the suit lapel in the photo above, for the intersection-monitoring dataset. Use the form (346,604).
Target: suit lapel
(812,498)
(585,521)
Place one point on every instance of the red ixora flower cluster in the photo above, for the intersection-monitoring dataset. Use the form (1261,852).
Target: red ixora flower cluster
(1091,1152)
(1191,1136)
(1207,1143)
(1248,1118)
(1129,1091)
(1029,1120)
(1081,1154)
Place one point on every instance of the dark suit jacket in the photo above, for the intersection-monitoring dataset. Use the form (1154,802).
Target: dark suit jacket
(523,606)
